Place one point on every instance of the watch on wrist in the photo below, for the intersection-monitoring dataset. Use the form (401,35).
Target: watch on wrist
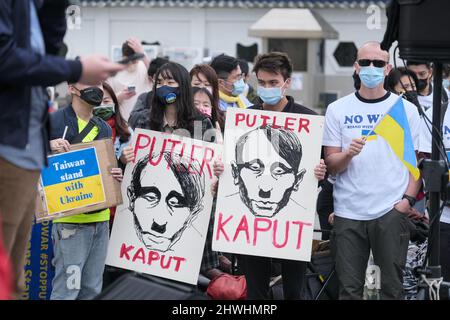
(411,200)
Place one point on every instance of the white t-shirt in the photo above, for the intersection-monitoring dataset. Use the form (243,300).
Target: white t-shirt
(425,145)
(123,79)
(375,180)
(427,101)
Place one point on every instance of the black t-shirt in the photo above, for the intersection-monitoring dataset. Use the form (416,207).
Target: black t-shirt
(290,107)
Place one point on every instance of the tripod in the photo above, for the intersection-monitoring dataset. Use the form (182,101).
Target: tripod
(436,179)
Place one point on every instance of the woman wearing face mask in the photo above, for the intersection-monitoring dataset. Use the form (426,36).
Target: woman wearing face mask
(172,105)
(203,76)
(121,133)
(403,81)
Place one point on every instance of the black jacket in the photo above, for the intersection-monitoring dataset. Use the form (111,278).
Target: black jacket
(290,107)
(67,117)
(21,68)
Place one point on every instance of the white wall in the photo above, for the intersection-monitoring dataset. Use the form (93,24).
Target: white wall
(219,30)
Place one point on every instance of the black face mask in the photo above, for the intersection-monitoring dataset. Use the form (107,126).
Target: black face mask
(167,95)
(411,96)
(422,84)
(93,96)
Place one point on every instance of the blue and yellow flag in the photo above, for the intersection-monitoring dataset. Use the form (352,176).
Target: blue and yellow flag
(394,128)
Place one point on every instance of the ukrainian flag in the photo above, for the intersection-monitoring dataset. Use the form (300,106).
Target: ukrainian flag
(394,128)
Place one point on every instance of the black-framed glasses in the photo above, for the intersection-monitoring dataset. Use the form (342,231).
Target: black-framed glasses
(376,63)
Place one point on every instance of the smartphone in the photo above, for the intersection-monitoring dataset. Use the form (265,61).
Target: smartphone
(131,88)
(132,58)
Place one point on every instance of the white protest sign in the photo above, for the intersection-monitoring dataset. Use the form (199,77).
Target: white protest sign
(267,194)
(161,227)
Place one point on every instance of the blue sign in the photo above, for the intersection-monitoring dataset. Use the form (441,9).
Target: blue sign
(39,271)
(70,166)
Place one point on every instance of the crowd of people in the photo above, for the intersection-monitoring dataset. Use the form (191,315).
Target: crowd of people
(368,200)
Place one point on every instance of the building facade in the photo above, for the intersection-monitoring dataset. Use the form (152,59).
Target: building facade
(213,27)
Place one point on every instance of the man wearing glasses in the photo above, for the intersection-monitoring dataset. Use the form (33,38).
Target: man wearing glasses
(231,83)
(374,191)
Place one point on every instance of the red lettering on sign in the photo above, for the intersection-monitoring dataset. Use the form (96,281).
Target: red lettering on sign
(124,251)
(239,118)
(179,260)
(278,231)
(139,255)
(208,156)
(257,228)
(304,124)
(140,144)
(192,158)
(242,227)
(167,264)
(276,121)
(174,144)
(220,227)
(288,124)
(286,235)
(300,231)
(265,120)
(154,258)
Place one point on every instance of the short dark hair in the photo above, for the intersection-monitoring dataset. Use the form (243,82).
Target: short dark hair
(274,62)
(223,65)
(155,64)
(244,66)
(395,75)
(419,63)
(285,142)
(127,50)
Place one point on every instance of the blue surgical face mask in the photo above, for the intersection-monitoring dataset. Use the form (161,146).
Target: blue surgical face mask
(371,77)
(270,96)
(446,83)
(238,87)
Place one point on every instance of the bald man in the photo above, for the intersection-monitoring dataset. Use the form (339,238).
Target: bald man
(374,191)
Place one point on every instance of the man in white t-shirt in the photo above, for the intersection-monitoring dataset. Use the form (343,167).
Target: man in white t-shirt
(425,143)
(131,82)
(374,191)
(424,73)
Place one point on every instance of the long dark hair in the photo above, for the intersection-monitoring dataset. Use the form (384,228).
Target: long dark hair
(186,111)
(214,115)
(121,125)
(211,76)
(395,75)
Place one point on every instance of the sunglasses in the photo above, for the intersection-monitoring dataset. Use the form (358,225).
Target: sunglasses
(376,63)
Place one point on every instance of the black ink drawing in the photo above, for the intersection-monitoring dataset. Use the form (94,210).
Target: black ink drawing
(266,182)
(165,202)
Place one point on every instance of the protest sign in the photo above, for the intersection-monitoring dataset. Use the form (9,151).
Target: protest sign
(39,271)
(267,194)
(161,227)
(78,181)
